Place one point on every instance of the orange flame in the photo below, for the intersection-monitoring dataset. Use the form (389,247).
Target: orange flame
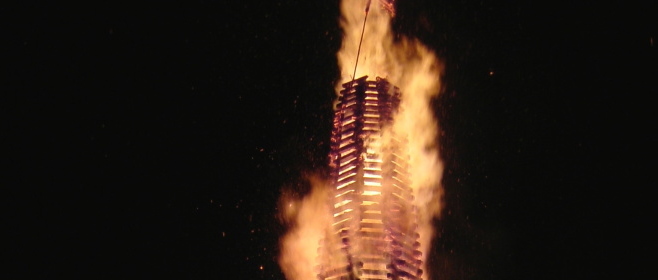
(307,219)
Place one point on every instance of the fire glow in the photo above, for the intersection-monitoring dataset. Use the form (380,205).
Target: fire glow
(373,218)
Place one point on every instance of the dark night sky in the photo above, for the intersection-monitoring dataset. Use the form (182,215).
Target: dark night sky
(152,141)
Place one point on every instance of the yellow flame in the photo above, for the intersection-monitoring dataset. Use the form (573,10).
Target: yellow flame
(415,69)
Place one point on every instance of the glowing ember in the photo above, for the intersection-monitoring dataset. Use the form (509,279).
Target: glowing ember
(373,218)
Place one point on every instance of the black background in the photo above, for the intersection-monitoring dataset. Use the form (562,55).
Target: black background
(153,140)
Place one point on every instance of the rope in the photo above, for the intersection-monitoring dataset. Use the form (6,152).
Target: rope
(361,40)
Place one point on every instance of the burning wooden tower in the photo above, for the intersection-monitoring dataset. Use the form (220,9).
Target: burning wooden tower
(374,231)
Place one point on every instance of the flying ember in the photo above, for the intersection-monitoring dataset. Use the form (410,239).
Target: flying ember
(372,219)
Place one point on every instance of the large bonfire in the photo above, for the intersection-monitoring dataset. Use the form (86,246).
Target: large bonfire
(369,49)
